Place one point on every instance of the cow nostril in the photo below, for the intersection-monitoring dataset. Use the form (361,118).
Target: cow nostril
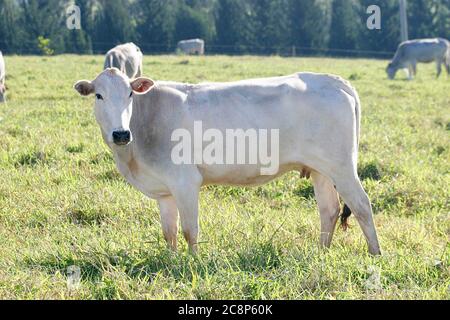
(121,137)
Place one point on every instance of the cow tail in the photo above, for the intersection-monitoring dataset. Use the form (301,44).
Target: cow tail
(346,212)
(345,215)
(358,117)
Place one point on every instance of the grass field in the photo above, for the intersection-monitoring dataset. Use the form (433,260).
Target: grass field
(63,204)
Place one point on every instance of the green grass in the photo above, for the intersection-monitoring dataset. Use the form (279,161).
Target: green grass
(62,202)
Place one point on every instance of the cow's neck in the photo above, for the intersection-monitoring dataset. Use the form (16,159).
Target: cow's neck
(126,161)
(122,153)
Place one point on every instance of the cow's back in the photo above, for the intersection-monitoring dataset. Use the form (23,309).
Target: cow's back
(294,104)
(424,50)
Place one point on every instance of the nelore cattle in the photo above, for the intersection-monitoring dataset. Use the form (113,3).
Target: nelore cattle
(127,57)
(193,46)
(411,52)
(317,117)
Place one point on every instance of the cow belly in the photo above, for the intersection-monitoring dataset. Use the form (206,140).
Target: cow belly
(245,175)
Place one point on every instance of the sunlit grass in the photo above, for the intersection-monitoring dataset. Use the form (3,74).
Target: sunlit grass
(62,202)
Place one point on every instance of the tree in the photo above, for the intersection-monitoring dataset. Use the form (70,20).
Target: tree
(192,23)
(442,19)
(345,26)
(310,22)
(429,18)
(271,21)
(11,35)
(113,25)
(156,24)
(234,26)
(42,18)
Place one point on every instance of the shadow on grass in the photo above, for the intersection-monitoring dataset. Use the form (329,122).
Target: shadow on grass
(378,171)
(305,190)
(255,258)
(86,216)
(110,175)
(259,258)
(73,149)
(102,157)
(31,158)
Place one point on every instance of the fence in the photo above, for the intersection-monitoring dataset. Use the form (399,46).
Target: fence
(31,48)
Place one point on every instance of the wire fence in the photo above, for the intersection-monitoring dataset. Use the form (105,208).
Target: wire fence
(100,48)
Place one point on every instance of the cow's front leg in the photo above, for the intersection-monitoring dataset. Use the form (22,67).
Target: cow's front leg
(186,196)
(169,220)
(187,203)
(410,73)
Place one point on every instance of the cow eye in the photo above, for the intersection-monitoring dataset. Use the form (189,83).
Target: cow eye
(131,94)
(99,96)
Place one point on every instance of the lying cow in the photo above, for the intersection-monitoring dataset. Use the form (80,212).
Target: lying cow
(318,118)
(2,79)
(409,53)
(194,46)
(127,58)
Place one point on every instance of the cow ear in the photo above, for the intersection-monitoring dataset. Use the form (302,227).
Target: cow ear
(84,87)
(142,85)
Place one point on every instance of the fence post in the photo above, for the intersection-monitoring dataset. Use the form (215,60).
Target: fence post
(403,20)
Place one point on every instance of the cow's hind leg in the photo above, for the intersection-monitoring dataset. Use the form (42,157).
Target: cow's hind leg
(414,68)
(328,202)
(439,68)
(447,63)
(350,188)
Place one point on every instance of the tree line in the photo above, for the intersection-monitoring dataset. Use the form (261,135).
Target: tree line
(282,27)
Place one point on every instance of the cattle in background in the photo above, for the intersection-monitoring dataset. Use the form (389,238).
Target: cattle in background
(194,46)
(409,53)
(2,79)
(317,116)
(127,58)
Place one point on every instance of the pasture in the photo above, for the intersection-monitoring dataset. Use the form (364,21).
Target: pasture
(63,204)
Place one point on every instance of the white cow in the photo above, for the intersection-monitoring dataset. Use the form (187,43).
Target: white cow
(317,115)
(127,58)
(2,79)
(409,53)
(193,46)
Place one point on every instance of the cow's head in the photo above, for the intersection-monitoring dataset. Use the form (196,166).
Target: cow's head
(114,102)
(391,70)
